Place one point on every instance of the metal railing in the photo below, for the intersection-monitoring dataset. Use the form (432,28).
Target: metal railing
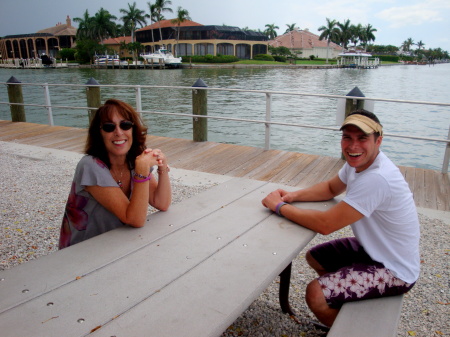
(268,113)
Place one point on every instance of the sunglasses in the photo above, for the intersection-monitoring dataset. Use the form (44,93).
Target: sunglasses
(110,127)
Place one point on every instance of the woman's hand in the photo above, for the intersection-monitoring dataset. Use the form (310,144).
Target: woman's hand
(160,159)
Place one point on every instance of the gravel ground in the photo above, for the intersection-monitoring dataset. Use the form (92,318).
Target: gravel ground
(34,191)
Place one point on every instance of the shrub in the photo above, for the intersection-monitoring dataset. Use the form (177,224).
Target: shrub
(67,53)
(387,58)
(280,58)
(263,57)
(210,58)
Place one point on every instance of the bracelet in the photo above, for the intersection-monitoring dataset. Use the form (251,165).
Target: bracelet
(140,176)
(167,169)
(141,180)
(278,208)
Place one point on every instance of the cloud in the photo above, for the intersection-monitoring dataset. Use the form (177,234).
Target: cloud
(414,15)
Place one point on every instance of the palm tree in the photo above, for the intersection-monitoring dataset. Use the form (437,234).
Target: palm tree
(132,17)
(420,44)
(270,31)
(407,44)
(153,18)
(357,34)
(345,33)
(368,35)
(290,28)
(84,26)
(182,15)
(329,32)
(160,8)
(103,25)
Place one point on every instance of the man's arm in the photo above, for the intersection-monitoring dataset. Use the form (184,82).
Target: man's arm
(325,222)
(325,190)
(321,222)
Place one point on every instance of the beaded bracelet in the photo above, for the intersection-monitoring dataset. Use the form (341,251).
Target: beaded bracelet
(141,180)
(278,208)
(141,176)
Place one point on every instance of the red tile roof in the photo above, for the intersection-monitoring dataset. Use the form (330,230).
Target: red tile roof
(301,39)
(117,40)
(168,23)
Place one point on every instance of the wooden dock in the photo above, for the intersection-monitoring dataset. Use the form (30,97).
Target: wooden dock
(431,188)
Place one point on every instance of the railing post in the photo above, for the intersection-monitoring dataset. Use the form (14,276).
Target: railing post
(15,95)
(93,96)
(352,104)
(48,104)
(138,99)
(446,155)
(200,107)
(268,118)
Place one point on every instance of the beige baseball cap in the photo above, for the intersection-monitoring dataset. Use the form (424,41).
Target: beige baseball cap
(364,123)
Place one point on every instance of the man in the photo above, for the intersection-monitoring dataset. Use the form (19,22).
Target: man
(383,257)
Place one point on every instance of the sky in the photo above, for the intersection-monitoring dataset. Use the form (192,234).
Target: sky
(395,20)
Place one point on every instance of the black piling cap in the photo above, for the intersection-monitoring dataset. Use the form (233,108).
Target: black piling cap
(355,92)
(92,81)
(200,83)
(12,79)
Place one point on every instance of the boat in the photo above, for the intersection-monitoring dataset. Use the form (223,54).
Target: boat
(164,56)
(107,60)
(357,59)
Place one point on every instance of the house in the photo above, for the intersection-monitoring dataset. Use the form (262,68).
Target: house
(197,39)
(46,41)
(303,43)
(115,43)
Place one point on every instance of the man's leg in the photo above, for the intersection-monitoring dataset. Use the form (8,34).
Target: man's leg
(316,302)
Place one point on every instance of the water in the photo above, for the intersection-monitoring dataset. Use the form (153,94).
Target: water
(418,83)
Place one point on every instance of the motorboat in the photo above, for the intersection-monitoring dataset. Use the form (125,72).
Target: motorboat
(107,60)
(164,56)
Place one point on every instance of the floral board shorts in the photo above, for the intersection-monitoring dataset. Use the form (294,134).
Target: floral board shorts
(353,275)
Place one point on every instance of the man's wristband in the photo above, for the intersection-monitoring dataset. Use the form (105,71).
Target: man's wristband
(278,208)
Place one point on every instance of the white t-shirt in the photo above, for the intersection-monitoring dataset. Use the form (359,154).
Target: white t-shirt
(390,229)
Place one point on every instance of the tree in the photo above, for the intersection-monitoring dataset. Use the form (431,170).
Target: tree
(160,8)
(329,32)
(270,31)
(84,26)
(290,28)
(406,46)
(133,17)
(345,33)
(368,35)
(103,25)
(420,45)
(153,18)
(182,15)
(356,34)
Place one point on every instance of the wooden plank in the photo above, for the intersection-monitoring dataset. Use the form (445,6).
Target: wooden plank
(430,188)
(419,187)
(443,191)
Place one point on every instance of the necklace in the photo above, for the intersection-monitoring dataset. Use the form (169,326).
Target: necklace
(119,181)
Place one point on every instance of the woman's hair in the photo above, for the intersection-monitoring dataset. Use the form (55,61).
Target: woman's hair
(94,143)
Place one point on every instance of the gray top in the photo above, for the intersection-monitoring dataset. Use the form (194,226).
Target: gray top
(84,217)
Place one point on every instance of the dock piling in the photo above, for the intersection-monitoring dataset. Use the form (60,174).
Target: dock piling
(200,107)
(93,96)
(15,95)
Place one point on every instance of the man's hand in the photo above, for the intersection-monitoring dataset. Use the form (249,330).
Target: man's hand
(273,199)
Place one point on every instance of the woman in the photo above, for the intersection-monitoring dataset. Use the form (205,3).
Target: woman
(113,183)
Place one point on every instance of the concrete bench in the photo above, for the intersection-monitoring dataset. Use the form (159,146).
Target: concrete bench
(375,317)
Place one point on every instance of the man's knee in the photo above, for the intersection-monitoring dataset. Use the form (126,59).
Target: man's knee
(314,295)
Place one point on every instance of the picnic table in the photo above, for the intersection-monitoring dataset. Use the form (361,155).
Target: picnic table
(190,271)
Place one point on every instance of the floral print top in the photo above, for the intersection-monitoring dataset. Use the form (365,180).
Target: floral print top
(84,217)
